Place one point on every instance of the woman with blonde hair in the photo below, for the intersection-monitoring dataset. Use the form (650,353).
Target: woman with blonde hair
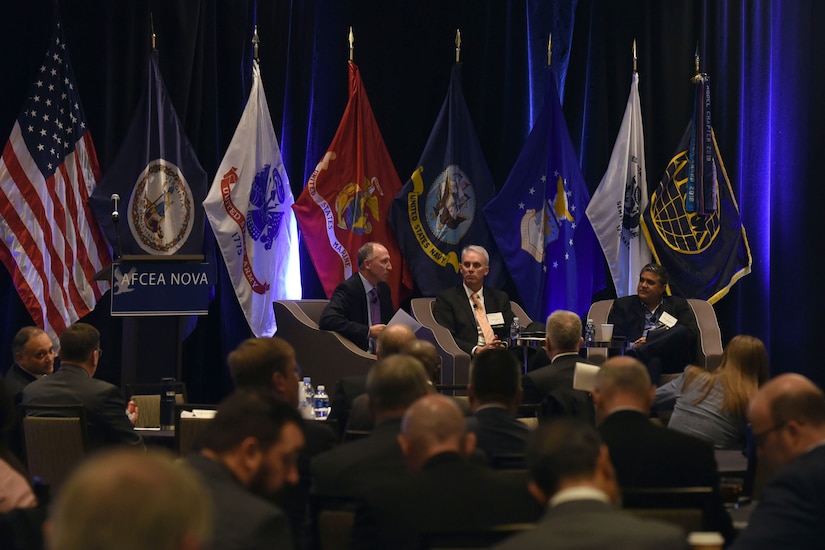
(713,405)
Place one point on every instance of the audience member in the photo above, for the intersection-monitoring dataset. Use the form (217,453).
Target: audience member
(427,353)
(495,394)
(643,320)
(390,342)
(788,420)
(477,315)
(73,384)
(33,358)
(269,363)
(552,385)
(393,384)
(361,306)
(713,405)
(250,451)
(571,475)
(445,490)
(131,500)
(15,491)
(643,453)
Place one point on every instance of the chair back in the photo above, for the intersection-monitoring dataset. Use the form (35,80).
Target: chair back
(693,508)
(332,519)
(55,440)
(187,430)
(598,312)
(469,539)
(149,409)
(709,344)
(455,362)
(518,311)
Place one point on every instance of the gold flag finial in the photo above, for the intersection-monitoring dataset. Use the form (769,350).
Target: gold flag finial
(457,45)
(255,42)
(351,40)
(696,58)
(635,58)
(550,50)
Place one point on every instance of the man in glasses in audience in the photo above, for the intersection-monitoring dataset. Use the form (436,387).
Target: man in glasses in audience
(33,358)
(787,416)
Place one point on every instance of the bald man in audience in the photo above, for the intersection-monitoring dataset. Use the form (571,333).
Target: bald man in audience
(445,491)
(572,477)
(787,416)
(393,384)
(270,363)
(131,500)
(649,455)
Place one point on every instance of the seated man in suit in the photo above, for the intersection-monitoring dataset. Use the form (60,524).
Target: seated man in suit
(73,384)
(571,475)
(250,451)
(361,306)
(33,358)
(393,384)
(478,316)
(495,394)
(563,339)
(661,330)
(445,490)
(788,420)
(269,363)
(649,455)
(169,508)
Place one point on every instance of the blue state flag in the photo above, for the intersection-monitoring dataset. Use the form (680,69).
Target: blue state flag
(438,211)
(538,220)
(158,179)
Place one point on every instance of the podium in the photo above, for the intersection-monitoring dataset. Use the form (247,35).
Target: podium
(156,295)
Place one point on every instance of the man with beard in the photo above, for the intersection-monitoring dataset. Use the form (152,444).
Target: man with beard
(250,450)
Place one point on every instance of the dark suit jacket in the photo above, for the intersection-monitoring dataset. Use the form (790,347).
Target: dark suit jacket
(350,469)
(346,313)
(498,432)
(102,402)
(594,524)
(241,520)
(452,309)
(449,493)
(16,380)
(557,375)
(791,508)
(647,455)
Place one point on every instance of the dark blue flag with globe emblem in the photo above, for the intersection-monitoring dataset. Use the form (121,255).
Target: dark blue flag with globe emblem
(158,179)
(438,211)
(692,222)
(538,220)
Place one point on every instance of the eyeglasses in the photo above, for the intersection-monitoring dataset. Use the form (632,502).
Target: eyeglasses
(759,438)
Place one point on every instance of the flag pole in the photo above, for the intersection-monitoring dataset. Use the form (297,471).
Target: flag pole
(698,76)
(550,50)
(635,58)
(351,40)
(255,42)
(152,28)
(458,45)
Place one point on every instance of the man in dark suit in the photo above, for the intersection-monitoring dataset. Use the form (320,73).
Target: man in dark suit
(445,491)
(553,384)
(33,358)
(457,308)
(73,384)
(361,306)
(788,420)
(495,394)
(269,363)
(571,475)
(250,451)
(649,455)
(393,384)
(661,330)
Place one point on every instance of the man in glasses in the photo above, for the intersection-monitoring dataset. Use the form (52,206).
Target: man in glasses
(787,416)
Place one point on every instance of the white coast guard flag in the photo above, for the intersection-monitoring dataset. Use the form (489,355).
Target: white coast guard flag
(250,210)
(616,207)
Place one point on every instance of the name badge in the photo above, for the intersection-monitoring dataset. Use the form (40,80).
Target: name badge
(667,319)
(495,319)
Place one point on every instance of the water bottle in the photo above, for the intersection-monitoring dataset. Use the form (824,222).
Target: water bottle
(589,333)
(321,403)
(167,403)
(515,332)
(307,404)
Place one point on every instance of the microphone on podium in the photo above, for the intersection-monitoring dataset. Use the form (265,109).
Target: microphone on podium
(115,213)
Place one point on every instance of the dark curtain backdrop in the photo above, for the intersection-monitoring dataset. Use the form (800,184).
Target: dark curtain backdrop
(759,54)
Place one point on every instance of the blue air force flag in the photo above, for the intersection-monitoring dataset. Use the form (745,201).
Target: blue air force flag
(615,211)
(159,180)
(250,210)
(539,223)
(437,212)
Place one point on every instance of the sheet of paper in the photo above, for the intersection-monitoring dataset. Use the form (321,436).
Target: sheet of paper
(405,318)
(584,377)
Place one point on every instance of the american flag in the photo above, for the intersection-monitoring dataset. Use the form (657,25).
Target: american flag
(49,240)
